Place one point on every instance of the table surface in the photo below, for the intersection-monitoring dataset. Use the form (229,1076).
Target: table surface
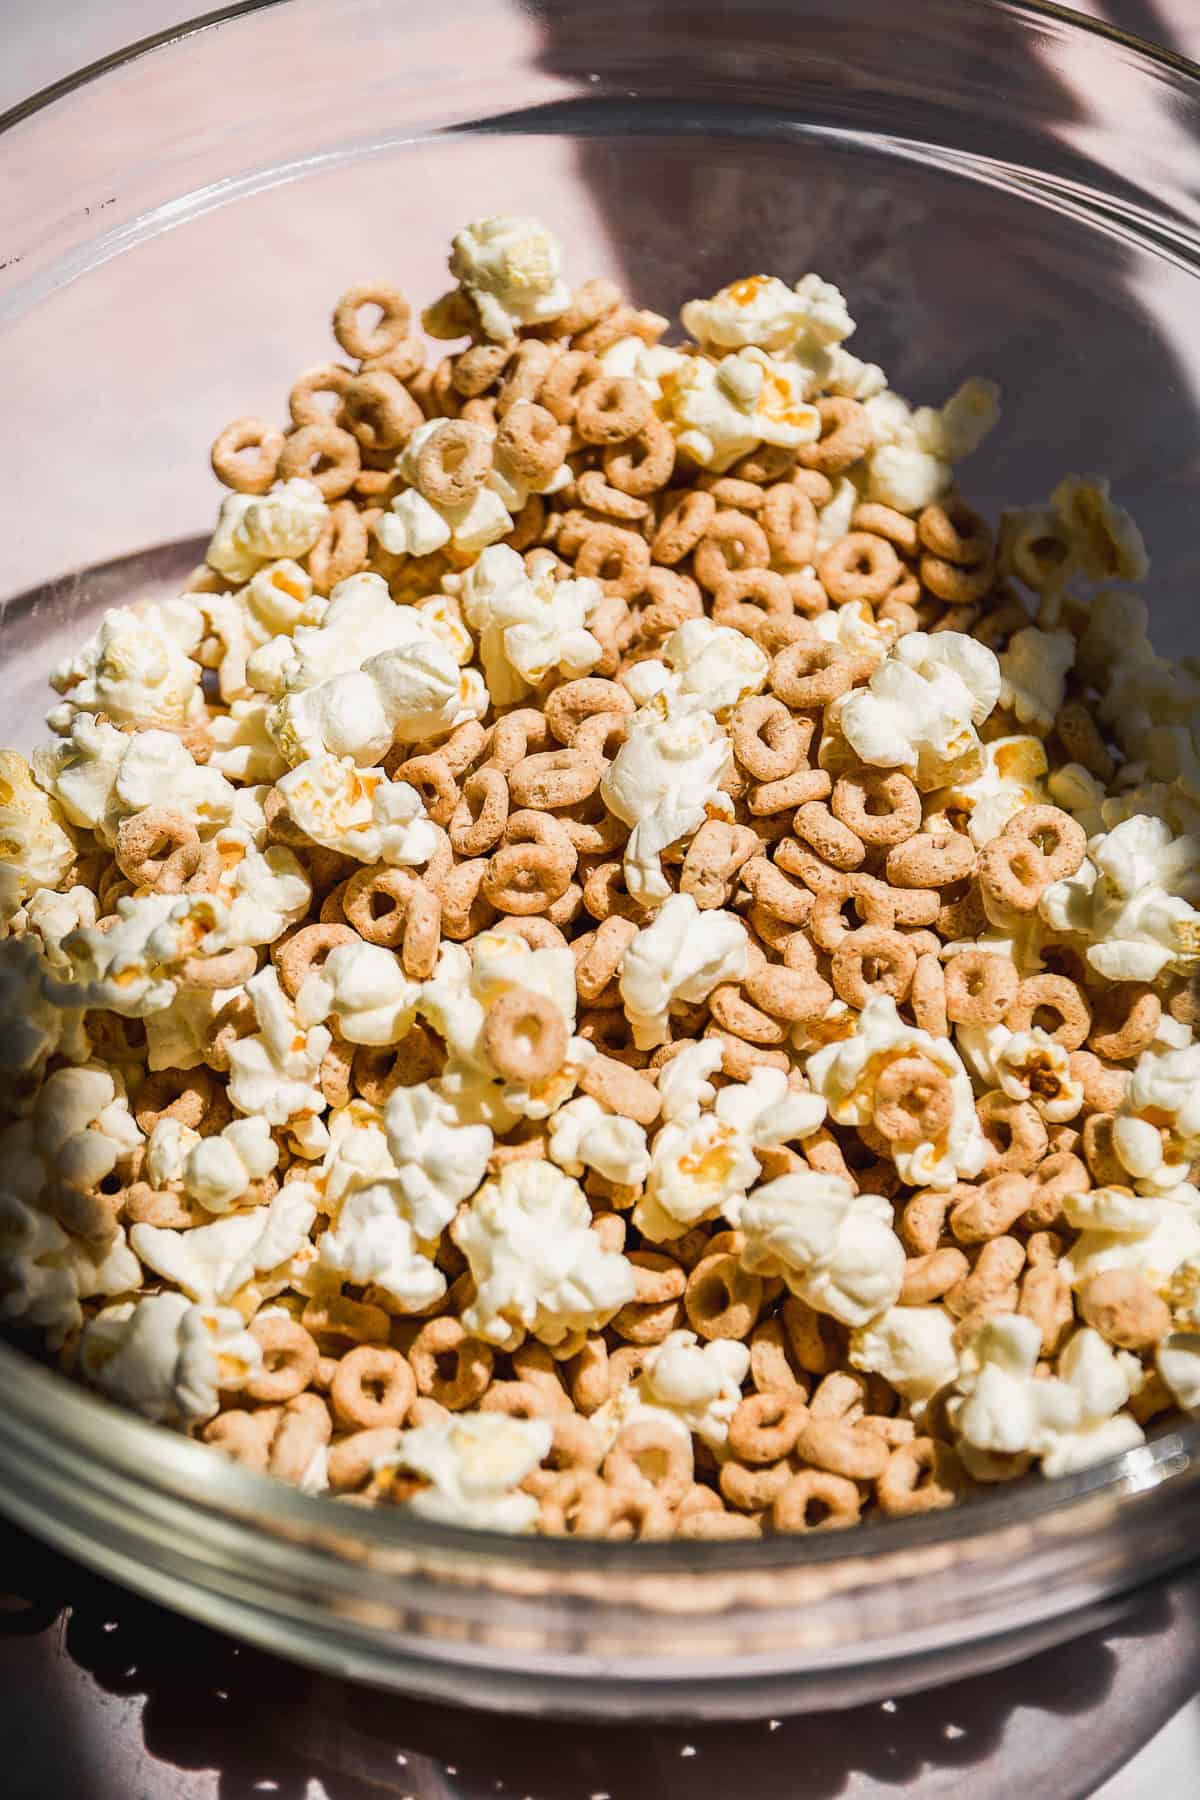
(111,1698)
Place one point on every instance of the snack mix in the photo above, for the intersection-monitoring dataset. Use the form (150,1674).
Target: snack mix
(618,963)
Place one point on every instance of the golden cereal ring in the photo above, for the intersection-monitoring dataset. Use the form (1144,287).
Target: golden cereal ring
(732,541)
(980,987)
(815,1501)
(859,566)
(870,961)
(289,1359)
(141,840)
(644,462)
(525,1036)
(453,463)
(789,519)
(683,526)
(611,408)
(323,454)
(246,456)
(722,1300)
(846,436)
(373,1387)
(390,329)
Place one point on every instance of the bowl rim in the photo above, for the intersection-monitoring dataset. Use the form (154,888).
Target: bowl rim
(184,1471)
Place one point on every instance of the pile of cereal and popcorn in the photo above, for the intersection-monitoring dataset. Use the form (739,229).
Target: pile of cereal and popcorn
(619,963)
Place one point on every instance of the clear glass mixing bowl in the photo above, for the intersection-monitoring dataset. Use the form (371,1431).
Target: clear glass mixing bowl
(1001,189)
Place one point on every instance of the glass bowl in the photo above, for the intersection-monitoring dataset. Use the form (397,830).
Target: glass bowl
(1000,189)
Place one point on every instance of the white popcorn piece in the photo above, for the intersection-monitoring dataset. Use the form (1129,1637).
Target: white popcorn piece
(537,1265)
(275,1071)
(845,1073)
(719,411)
(682,955)
(833,519)
(134,967)
(768,1110)
(696,1172)
(53,916)
(648,364)
(36,849)
(907,478)
(32,1027)
(167,1358)
(166,1151)
(1031,1066)
(242,746)
(762,311)
(271,604)
(833,1247)
(417,526)
(1013,777)
(683,1082)
(372,1243)
(100,775)
(219,1171)
(704,664)
(1156,1133)
(359,812)
(583,1135)
(135,671)
(212,1263)
(82,1125)
(510,268)
(912,1347)
(1177,1359)
(530,623)
(921,706)
(474,1464)
(852,627)
(262,891)
(664,781)
(1131,899)
(253,530)
(1149,1234)
(1033,671)
(688,1386)
(439,1161)
(362,987)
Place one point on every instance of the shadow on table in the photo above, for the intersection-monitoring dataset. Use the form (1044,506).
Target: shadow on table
(267,1727)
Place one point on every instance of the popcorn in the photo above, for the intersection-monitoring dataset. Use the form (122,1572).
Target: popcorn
(530,623)
(370,674)
(920,708)
(219,1171)
(719,411)
(1033,671)
(276,1071)
(696,1171)
(99,776)
(417,526)
(167,1358)
(364,988)
(1177,1358)
(904,477)
(648,364)
(372,1244)
(1156,1133)
(262,891)
(474,1464)
(1132,899)
(133,967)
(853,626)
(1106,545)
(833,1247)
(276,599)
(510,267)
(1031,1066)
(1150,1234)
(763,311)
(682,955)
(689,1386)
(664,781)
(538,1267)
(135,671)
(242,746)
(32,1027)
(846,1074)
(253,530)
(36,849)
(51,917)
(82,1126)
(439,1160)
(359,812)
(1013,777)
(704,664)
(583,1135)
(912,1347)
(212,1263)
(683,1082)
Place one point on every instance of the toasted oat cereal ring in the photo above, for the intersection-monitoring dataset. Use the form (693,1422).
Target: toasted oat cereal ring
(683,526)
(809,1333)
(1015,1130)
(928,996)
(525,373)
(305,399)
(1082,740)
(622,1090)
(1054,995)
(453,463)
(841,1394)
(450,1366)
(767,740)
(554,778)
(627,1512)
(539,933)
(1099,1148)
(644,462)
(1125,1021)
(954,585)
(517,735)
(1103,1085)
(715,1525)
(479,367)
(991,1286)
(815,1500)
(144,1205)
(605,892)
(752,1489)
(881,808)
(532,442)
(774,892)
(376,902)
(913,1101)
(713,858)
(1055,1177)
(765,1425)
(734,1013)
(929,860)
(1042,844)
(771,1369)
(841,1449)
(356,337)
(610,409)
(142,840)
(732,490)
(341,549)
(673,598)
(244,1436)
(532,868)
(928,1277)
(733,541)
(789,519)
(524,1035)
(573,1504)
(921,1476)
(598,957)
(246,456)
(793,995)
(338,1316)
(923,1217)
(758,603)
(833,841)
(618,559)
(523,1400)
(980,987)
(1122,1306)
(298,956)
(379,410)
(379,1069)
(289,1359)
(846,436)
(570,706)
(953,530)
(599,496)
(884,521)
(187,1095)
(870,961)
(859,567)
(563,381)
(373,1387)
(575,1447)
(594,301)
(434,781)
(651,1453)
(334,1075)
(351,1462)
(810,673)
(991,1210)
(323,454)
(302,1432)
(722,1299)
(623,321)
(228,970)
